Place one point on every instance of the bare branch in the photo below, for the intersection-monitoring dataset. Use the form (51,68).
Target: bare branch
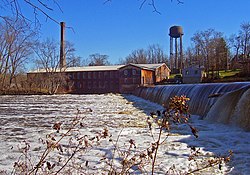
(178,1)
(45,5)
(142,4)
(58,6)
(41,10)
(107,1)
(153,5)
(38,6)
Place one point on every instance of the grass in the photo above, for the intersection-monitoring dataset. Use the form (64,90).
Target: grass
(223,73)
(229,73)
(173,75)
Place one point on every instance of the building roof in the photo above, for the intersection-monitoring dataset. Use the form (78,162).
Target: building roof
(93,68)
(82,69)
(194,67)
(151,66)
(146,66)
(99,68)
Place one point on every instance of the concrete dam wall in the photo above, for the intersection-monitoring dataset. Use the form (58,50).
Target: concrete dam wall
(227,103)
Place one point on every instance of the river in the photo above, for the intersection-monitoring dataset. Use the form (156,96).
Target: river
(28,119)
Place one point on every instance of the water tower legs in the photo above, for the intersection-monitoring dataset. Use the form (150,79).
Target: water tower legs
(171,54)
(176,63)
(181,54)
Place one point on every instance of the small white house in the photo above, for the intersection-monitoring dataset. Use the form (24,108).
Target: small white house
(193,74)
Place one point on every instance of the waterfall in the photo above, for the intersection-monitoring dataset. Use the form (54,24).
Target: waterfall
(227,103)
(237,111)
(241,116)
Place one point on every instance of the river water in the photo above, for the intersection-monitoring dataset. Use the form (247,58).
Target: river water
(30,118)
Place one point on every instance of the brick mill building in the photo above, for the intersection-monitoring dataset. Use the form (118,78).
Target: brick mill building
(107,79)
(96,79)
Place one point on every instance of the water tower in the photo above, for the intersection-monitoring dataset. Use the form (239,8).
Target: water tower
(176,59)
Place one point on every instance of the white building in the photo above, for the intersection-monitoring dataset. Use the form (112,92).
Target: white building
(193,74)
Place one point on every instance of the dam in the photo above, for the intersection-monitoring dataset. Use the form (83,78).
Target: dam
(227,103)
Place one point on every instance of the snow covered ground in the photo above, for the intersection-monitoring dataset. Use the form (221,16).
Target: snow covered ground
(30,118)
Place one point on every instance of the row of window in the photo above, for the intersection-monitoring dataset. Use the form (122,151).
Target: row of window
(105,84)
(131,81)
(190,72)
(96,85)
(93,75)
(126,72)
(102,74)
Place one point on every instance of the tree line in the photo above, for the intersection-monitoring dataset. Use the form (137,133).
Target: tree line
(214,51)
(20,46)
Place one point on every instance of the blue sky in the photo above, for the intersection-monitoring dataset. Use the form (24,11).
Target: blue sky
(118,27)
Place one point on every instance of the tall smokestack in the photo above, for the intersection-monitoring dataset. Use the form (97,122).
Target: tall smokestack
(62,46)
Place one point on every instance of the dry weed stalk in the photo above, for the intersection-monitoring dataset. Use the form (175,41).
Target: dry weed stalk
(124,160)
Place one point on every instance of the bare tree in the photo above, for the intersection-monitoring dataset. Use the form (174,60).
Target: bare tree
(235,44)
(211,49)
(71,58)
(49,75)
(153,54)
(47,54)
(221,54)
(191,57)
(240,45)
(98,60)
(138,56)
(244,34)
(15,49)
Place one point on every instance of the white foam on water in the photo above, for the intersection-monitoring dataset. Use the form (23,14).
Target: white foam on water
(32,117)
